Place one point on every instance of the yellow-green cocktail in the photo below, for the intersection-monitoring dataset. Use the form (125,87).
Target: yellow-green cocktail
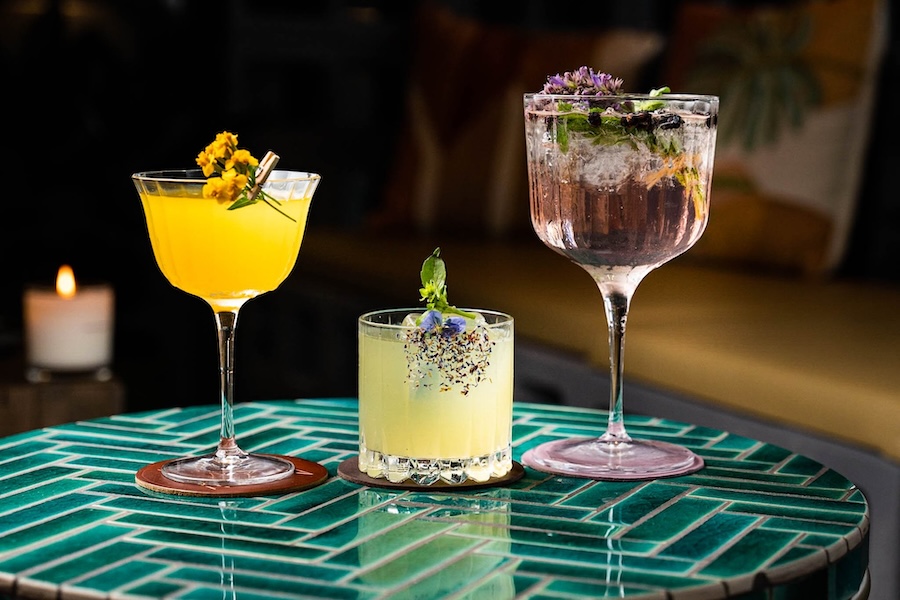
(435,395)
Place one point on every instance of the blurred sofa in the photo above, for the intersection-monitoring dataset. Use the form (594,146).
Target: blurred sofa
(756,330)
(754,319)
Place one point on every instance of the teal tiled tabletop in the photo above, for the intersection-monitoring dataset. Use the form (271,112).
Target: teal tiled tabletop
(756,522)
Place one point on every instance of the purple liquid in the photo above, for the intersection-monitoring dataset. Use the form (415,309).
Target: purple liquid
(621,230)
(617,209)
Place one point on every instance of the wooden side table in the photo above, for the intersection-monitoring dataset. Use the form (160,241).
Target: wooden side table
(25,406)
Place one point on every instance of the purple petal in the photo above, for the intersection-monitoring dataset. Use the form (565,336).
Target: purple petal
(583,81)
(430,320)
(453,325)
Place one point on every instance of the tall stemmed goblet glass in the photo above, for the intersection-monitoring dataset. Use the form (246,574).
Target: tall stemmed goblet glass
(619,184)
(225,257)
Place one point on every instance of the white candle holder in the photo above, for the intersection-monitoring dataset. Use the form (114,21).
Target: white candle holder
(68,337)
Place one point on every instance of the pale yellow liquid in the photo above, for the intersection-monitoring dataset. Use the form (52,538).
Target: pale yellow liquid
(400,419)
(224,256)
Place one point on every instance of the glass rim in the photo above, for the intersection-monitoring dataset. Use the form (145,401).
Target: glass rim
(365,318)
(679,97)
(196,175)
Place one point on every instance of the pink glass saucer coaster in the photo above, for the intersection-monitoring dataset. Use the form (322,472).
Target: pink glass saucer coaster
(593,459)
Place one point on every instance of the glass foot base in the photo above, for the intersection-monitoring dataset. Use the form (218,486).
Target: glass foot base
(349,470)
(305,474)
(251,469)
(427,471)
(593,458)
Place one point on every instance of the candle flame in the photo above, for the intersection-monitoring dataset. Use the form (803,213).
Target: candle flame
(65,282)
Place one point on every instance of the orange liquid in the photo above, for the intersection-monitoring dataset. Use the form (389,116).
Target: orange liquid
(224,256)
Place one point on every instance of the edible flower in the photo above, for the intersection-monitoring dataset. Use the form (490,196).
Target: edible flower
(431,320)
(583,82)
(232,176)
(434,321)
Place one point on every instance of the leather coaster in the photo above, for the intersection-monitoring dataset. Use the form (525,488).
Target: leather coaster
(349,470)
(307,474)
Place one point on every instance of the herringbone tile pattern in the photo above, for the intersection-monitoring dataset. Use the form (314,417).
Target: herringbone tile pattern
(72,519)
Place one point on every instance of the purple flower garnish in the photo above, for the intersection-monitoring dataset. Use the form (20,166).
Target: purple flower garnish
(431,320)
(453,325)
(583,82)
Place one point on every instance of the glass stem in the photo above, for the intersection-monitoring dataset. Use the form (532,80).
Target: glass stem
(228,453)
(616,304)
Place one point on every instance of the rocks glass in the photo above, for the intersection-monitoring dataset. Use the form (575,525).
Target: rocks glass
(435,399)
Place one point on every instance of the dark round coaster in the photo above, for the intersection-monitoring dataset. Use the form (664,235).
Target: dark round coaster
(307,474)
(349,470)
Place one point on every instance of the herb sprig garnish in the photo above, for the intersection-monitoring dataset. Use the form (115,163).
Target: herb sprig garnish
(632,122)
(434,289)
(232,175)
(636,126)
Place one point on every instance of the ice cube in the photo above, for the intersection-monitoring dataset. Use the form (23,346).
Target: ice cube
(477,321)
(410,320)
(599,167)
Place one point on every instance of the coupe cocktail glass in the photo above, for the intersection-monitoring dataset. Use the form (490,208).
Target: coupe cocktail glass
(225,257)
(435,406)
(619,184)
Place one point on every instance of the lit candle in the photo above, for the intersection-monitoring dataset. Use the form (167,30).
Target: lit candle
(68,330)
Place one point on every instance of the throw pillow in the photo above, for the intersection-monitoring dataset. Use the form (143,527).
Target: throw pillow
(797,84)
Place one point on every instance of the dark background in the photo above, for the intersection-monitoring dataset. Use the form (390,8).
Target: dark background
(96,90)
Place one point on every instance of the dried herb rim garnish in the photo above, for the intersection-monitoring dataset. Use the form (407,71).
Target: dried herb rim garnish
(457,360)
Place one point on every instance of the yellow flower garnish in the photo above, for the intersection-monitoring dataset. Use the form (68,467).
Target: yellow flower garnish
(231,174)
